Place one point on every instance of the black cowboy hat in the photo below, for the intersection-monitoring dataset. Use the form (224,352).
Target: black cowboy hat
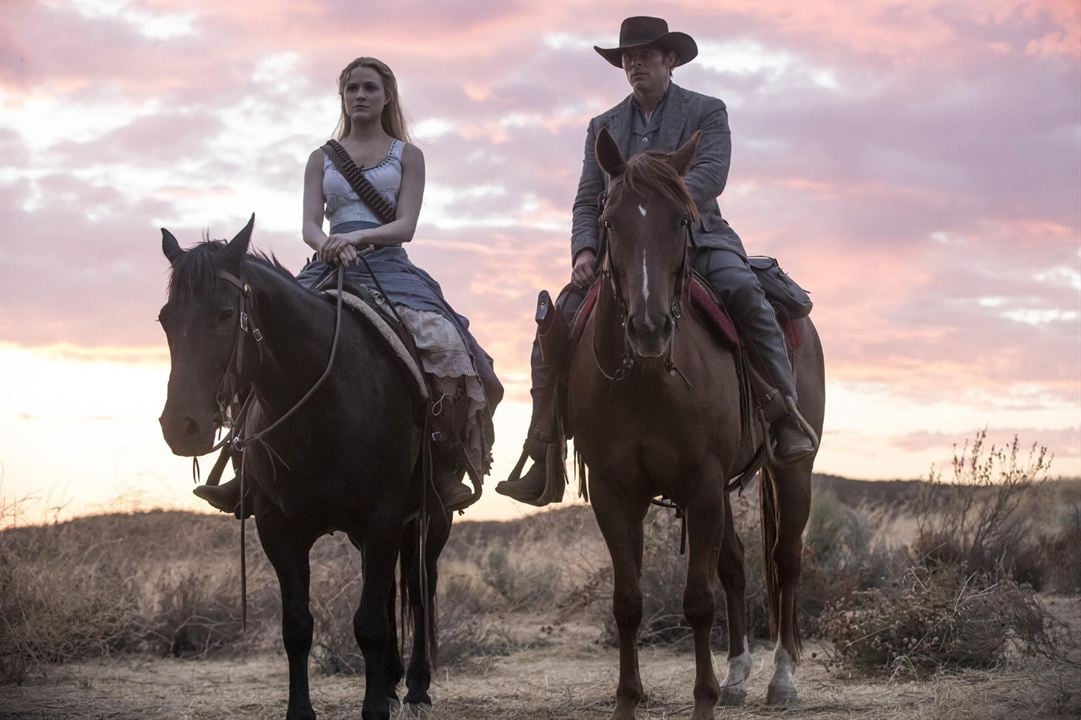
(641,31)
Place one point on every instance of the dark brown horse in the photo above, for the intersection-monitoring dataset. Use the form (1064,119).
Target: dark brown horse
(654,404)
(347,460)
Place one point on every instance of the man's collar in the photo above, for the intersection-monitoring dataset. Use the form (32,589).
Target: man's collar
(638,106)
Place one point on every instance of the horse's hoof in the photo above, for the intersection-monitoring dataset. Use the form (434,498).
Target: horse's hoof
(418,698)
(416,710)
(308,714)
(783,696)
(733,696)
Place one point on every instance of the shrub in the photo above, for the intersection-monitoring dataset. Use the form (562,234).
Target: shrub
(842,554)
(978,521)
(934,619)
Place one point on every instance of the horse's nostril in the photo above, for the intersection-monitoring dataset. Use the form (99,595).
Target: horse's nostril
(667,325)
(191,427)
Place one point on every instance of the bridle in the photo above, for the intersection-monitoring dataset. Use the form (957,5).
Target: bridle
(234,369)
(233,443)
(629,358)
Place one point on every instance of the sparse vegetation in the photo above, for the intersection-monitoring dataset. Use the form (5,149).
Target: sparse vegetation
(926,572)
(935,619)
(967,594)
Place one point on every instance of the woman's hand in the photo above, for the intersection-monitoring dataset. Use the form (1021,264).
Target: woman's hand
(339,248)
(584,270)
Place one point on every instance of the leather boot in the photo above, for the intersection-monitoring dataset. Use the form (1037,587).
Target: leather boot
(790,442)
(792,437)
(448,454)
(530,488)
(224,497)
(447,472)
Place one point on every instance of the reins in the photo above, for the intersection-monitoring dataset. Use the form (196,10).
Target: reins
(234,369)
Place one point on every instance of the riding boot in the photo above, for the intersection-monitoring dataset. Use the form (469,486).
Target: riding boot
(224,497)
(545,480)
(792,437)
(530,488)
(448,464)
(447,472)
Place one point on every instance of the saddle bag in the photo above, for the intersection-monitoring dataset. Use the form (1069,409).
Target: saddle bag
(780,289)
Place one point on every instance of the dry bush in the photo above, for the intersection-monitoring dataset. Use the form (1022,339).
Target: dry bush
(160,582)
(1057,556)
(979,520)
(842,553)
(935,619)
(465,635)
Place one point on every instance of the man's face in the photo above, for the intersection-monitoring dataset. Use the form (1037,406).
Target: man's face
(648,69)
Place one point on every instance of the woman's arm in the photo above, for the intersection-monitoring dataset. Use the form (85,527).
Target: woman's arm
(311,228)
(410,197)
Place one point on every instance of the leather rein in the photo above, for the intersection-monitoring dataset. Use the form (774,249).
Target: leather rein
(629,358)
(233,442)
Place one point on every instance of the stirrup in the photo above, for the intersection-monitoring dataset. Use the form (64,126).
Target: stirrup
(795,416)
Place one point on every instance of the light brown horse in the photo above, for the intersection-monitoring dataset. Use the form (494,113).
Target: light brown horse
(654,404)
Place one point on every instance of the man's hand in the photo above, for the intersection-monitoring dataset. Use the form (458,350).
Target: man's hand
(584,271)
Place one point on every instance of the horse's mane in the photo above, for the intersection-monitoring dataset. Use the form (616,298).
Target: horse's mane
(651,172)
(196,272)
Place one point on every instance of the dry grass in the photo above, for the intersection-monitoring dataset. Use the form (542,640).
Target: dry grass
(164,584)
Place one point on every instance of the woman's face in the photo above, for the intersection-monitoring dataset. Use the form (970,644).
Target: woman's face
(648,68)
(363,95)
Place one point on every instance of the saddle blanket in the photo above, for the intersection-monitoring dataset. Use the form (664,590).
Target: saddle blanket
(393,341)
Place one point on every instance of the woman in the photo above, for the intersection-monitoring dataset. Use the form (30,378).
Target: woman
(464,388)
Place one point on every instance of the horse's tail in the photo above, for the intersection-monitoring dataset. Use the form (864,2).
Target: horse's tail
(770,522)
(413,582)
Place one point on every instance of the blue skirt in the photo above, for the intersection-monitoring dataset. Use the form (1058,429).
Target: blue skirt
(403,283)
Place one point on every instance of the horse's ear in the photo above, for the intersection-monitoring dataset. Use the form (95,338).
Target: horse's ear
(608,155)
(170,247)
(238,246)
(681,159)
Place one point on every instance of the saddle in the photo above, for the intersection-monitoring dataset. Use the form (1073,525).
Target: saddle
(710,310)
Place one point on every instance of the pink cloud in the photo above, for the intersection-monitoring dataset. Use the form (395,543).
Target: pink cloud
(938,166)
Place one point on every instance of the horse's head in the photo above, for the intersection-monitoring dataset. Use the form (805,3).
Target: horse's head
(647,215)
(203,324)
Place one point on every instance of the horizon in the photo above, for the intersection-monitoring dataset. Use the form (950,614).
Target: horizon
(916,167)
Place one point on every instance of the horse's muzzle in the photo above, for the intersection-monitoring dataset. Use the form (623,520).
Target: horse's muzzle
(185,435)
(649,337)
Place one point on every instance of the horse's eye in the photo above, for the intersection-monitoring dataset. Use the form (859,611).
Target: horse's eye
(607,224)
(684,221)
(225,314)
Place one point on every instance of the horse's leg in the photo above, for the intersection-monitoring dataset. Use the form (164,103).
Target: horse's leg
(705,519)
(791,496)
(393,670)
(287,549)
(371,625)
(620,519)
(419,676)
(730,570)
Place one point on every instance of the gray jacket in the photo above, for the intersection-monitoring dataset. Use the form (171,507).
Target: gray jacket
(685,111)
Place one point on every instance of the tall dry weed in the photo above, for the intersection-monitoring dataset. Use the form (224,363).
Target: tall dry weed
(977,519)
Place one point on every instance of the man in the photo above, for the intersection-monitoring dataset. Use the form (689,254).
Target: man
(659,115)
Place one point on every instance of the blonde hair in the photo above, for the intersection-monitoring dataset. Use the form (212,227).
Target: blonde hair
(392,119)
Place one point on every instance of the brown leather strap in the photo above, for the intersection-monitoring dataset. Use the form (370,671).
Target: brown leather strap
(364,190)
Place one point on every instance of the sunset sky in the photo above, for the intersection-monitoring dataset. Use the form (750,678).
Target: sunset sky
(917,166)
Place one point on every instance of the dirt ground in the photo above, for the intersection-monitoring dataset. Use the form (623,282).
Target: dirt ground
(570,678)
